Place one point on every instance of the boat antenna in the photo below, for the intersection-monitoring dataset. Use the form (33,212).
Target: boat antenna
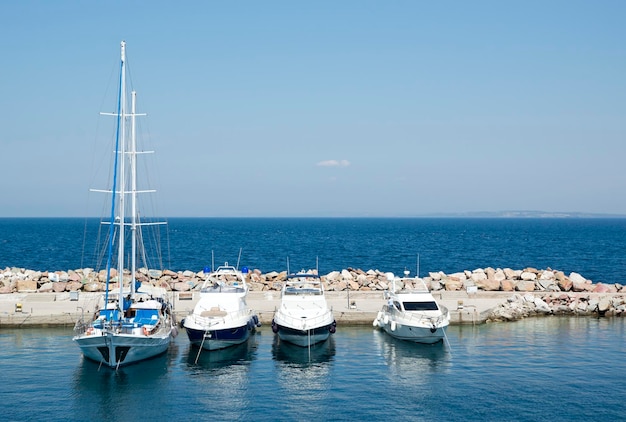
(417,274)
(287,265)
(317,265)
(239,257)
(212,260)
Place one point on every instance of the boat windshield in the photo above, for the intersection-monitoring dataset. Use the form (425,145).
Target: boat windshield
(420,306)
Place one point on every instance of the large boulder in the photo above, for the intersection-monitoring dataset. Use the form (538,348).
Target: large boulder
(26,286)
(59,286)
(507,285)
(453,285)
(525,286)
(528,276)
(488,284)
(478,275)
(46,287)
(565,284)
(499,275)
(93,287)
(347,275)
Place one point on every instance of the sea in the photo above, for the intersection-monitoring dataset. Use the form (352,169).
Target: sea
(544,368)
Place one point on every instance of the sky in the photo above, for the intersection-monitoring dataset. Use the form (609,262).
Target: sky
(322,109)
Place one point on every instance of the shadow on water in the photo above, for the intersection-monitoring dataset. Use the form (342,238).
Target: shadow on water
(90,375)
(285,352)
(407,360)
(105,388)
(198,359)
(303,376)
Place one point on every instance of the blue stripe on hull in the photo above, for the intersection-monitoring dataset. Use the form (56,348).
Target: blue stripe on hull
(218,339)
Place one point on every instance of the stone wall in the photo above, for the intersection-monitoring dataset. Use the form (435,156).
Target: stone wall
(521,306)
(13,280)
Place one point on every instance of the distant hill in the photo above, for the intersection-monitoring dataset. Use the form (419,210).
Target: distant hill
(528,214)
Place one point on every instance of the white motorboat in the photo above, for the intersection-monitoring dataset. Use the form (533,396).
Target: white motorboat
(222,318)
(303,317)
(134,322)
(412,313)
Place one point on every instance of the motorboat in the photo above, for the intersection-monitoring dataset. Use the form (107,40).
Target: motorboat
(303,317)
(221,318)
(132,322)
(412,313)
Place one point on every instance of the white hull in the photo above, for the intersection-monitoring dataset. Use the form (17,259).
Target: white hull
(220,333)
(115,350)
(305,339)
(211,344)
(221,318)
(131,326)
(414,333)
(303,317)
(413,314)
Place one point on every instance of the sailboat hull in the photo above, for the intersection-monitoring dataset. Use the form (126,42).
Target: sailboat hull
(115,350)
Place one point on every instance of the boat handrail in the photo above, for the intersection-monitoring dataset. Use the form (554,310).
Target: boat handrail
(120,326)
(419,285)
(420,316)
(223,288)
(312,320)
(212,320)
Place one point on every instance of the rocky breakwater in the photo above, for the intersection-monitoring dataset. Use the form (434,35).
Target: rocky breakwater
(522,306)
(20,280)
(532,292)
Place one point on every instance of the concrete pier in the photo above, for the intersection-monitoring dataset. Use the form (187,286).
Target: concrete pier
(64,309)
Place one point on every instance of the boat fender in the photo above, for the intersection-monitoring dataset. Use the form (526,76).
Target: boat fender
(375,323)
(393,326)
(386,319)
(274,327)
(174,332)
(433,329)
(332,329)
(255,318)
(146,331)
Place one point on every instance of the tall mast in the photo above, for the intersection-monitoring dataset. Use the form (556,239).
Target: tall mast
(133,198)
(122,191)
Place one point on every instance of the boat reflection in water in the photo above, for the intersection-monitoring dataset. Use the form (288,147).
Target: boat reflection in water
(303,372)
(220,379)
(289,353)
(409,362)
(102,388)
(198,359)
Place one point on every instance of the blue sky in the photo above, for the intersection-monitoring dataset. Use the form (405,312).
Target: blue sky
(326,108)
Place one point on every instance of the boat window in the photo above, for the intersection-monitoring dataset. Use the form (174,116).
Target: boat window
(420,306)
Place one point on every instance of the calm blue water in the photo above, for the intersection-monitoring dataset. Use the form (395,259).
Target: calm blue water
(592,247)
(552,369)
(568,369)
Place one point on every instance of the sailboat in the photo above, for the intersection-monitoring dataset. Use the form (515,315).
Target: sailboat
(134,322)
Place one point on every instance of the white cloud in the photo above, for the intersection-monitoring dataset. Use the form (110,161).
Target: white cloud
(333,163)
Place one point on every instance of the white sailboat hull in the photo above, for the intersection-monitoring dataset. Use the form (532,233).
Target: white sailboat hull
(113,349)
